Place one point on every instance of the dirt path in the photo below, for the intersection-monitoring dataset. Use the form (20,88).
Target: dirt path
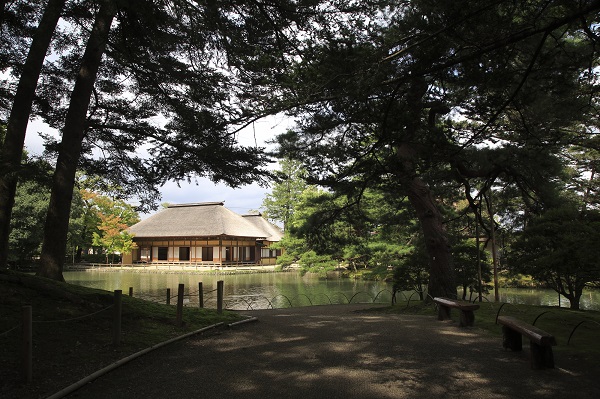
(339,352)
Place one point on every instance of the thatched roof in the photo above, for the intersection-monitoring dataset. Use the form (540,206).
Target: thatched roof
(274,233)
(197,220)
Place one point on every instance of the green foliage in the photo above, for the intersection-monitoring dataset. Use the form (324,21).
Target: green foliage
(178,82)
(96,220)
(411,270)
(319,264)
(280,204)
(27,222)
(470,97)
(328,232)
(29,211)
(286,259)
(561,249)
(464,255)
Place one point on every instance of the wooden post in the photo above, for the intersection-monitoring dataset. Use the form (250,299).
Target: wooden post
(443,312)
(27,344)
(480,285)
(494,253)
(180,305)
(130,291)
(220,296)
(168,296)
(511,339)
(118,297)
(200,296)
(540,357)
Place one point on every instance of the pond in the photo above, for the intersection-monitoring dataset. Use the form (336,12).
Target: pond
(279,290)
(241,291)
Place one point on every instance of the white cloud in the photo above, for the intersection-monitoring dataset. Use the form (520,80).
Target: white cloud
(34,144)
(239,200)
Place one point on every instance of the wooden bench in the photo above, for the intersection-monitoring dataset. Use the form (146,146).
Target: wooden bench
(467,317)
(540,342)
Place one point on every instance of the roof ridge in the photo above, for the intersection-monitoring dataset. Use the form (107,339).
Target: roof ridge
(221,203)
(191,220)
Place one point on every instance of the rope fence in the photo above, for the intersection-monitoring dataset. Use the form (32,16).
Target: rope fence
(27,322)
(202,297)
(74,318)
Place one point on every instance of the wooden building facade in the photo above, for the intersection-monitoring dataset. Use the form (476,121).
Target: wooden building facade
(204,233)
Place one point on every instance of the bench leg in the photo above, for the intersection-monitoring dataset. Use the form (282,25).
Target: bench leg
(467,318)
(443,312)
(542,357)
(511,339)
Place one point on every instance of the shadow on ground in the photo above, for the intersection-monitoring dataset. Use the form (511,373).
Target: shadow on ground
(338,352)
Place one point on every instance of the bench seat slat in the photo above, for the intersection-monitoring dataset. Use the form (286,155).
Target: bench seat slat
(535,334)
(456,303)
(467,317)
(540,342)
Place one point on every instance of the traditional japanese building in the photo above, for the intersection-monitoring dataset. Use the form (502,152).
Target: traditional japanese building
(204,233)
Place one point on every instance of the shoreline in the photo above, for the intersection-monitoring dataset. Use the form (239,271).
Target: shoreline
(166,268)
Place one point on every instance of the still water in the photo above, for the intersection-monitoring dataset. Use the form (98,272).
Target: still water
(279,290)
(241,291)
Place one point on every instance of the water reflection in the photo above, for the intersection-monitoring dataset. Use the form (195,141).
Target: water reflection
(241,291)
(280,290)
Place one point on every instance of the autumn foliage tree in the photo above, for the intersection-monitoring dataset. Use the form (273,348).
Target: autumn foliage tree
(113,217)
(113,237)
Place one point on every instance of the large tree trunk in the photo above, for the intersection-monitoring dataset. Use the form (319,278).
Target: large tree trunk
(441,272)
(57,219)
(12,150)
(574,299)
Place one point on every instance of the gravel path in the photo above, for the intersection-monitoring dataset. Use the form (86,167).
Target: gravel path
(339,352)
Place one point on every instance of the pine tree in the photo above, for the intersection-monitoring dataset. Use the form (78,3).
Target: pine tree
(280,204)
(430,93)
(188,66)
(12,147)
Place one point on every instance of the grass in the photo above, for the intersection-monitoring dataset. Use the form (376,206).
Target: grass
(68,343)
(576,332)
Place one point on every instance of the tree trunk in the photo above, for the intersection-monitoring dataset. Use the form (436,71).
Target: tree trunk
(12,149)
(78,254)
(574,299)
(441,272)
(57,219)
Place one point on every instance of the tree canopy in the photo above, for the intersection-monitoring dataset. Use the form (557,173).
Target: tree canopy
(155,91)
(559,248)
(422,95)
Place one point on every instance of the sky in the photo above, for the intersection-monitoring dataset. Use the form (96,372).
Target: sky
(240,200)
